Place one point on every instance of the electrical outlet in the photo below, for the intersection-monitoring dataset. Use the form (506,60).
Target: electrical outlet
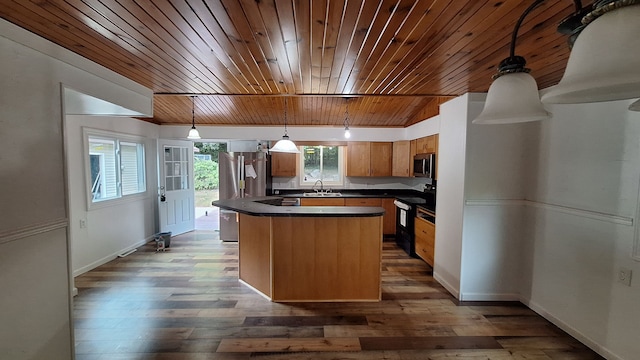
(624,276)
(83,223)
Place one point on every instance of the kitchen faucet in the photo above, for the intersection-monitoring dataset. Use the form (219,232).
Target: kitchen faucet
(321,186)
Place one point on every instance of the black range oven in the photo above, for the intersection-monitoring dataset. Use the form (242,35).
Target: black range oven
(406,212)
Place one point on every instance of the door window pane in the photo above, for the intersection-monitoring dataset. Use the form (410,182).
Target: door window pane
(176,165)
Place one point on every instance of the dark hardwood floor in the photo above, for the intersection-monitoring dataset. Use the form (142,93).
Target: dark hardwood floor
(187,303)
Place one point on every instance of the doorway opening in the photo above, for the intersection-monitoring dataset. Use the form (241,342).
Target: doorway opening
(206,184)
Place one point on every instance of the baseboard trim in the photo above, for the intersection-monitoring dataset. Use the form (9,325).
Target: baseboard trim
(450,288)
(108,258)
(489,297)
(603,351)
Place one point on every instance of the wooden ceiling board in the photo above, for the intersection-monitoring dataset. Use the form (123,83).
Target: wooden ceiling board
(396,60)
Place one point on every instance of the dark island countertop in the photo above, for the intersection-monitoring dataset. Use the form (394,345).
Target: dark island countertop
(413,197)
(268,206)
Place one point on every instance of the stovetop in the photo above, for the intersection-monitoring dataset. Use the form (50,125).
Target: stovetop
(412,200)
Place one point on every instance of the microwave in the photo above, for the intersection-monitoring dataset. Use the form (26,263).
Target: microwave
(424,165)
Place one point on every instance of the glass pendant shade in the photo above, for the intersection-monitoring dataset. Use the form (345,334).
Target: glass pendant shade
(512,98)
(604,64)
(635,106)
(193,134)
(285,145)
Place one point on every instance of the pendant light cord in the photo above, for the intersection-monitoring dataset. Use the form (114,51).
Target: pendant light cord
(346,116)
(193,112)
(285,117)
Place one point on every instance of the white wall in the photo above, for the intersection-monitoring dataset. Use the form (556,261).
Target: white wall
(100,241)
(450,193)
(547,214)
(35,275)
(495,181)
(583,189)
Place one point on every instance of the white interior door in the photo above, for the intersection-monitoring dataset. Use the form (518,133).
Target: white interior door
(176,203)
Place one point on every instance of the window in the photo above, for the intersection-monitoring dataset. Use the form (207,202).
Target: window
(116,166)
(321,163)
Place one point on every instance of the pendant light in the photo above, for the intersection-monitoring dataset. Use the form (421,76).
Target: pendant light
(605,59)
(635,106)
(513,96)
(285,145)
(347,133)
(193,133)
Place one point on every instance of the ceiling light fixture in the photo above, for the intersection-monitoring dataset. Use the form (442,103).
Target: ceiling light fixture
(513,96)
(285,145)
(193,133)
(635,106)
(347,133)
(605,57)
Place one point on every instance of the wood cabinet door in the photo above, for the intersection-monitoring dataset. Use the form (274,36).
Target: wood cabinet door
(283,164)
(311,201)
(389,218)
(401,158)
(431,144)
(363,202)
(425,235)
(421,145)
(381,157)
(358,158)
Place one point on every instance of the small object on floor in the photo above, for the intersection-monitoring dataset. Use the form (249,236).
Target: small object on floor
(160,244)
(206,213)
(127,253)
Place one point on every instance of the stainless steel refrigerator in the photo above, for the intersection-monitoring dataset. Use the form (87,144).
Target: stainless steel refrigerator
(241,174)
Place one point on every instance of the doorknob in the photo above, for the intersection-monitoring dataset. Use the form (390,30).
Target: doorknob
(163,197)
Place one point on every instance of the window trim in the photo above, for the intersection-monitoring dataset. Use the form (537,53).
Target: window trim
(341,166)
(118,137)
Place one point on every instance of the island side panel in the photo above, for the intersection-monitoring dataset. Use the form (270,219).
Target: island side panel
(326,258)
(254,256)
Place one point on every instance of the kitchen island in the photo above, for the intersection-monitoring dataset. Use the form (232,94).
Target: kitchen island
(308,253)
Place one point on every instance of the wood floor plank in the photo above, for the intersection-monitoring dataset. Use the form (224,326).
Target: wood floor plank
(188,304)
(429,342)
(289,345)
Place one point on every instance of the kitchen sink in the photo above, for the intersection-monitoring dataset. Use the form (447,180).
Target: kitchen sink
(322,194)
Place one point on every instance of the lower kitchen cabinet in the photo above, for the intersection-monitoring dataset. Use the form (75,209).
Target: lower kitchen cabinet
(321,202)
(425,238)
(363,201)
(389,218)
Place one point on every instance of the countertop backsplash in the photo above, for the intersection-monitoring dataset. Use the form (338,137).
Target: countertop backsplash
(286,183)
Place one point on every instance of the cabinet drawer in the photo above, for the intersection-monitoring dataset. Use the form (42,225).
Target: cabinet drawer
(363,202)
(425,236)
(425,252)
(424,228)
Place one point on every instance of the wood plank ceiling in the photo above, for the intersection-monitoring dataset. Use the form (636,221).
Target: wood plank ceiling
(386,63)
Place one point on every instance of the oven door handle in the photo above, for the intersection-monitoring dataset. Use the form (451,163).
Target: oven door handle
(402,205)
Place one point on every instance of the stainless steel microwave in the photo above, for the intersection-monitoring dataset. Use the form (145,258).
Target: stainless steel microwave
(424,165)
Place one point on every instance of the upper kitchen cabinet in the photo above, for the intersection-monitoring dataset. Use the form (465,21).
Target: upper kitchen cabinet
(283,164)
(401,165)
(369,158)
(427,144)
